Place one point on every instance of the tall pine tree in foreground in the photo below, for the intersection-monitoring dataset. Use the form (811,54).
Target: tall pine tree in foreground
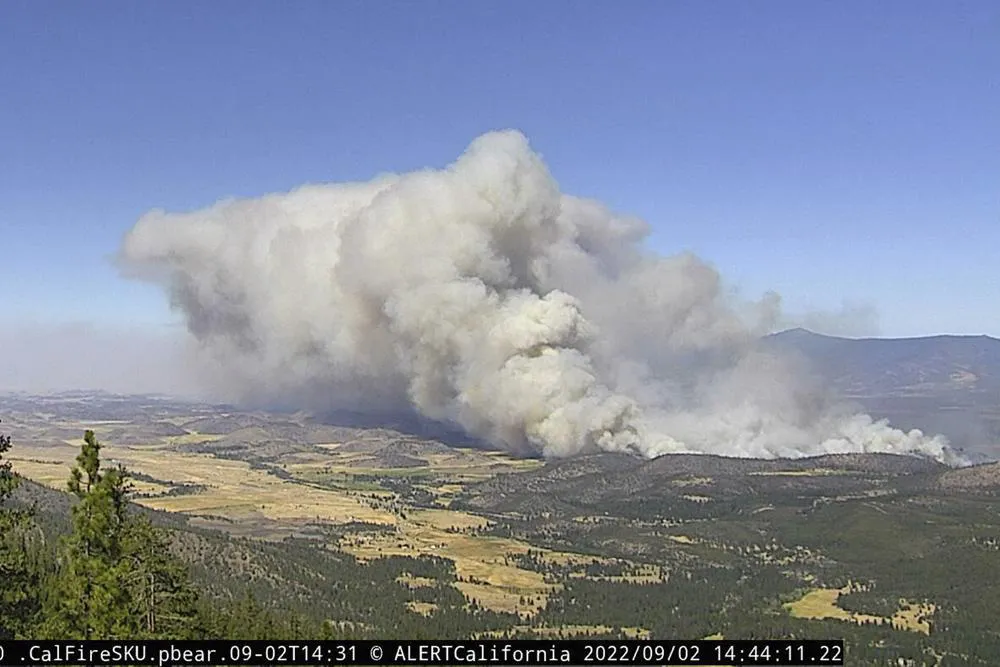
(88,599)
(116,578)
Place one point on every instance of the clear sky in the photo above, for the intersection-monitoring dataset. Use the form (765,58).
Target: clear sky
(831,151)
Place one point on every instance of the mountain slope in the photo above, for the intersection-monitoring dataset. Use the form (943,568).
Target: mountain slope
(944,384)
(935,365)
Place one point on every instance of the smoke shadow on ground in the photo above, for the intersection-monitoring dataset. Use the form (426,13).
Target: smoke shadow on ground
(409,424)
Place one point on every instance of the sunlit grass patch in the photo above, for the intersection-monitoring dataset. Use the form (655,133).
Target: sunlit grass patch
(193,437)
(691,481)
(820,603)
(571,631)
(422,608)
(812,472)
(411,581)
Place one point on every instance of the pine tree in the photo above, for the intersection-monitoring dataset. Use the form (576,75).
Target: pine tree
(91,600)
(117,578)
(19,575)
(161,594)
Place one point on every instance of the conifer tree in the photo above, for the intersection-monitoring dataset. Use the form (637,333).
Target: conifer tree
(161,594)
(91,601)
(19,599)
(117,578)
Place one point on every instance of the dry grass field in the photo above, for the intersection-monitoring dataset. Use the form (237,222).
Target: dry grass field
(812,472)
(572,631)
(422,608)
(691,481)
(233,489)
(233,496)
(642,574)
(479,560)
(459,466)
(822,603)
(416,582)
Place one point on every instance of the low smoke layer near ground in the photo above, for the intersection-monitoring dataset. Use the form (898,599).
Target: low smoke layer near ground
(481,295)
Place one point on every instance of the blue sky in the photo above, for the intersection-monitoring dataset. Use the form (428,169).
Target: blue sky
(831,151)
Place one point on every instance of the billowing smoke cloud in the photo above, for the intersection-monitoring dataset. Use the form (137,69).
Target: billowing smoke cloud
(482,296)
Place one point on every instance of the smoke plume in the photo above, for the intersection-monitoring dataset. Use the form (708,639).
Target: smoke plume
(481,296)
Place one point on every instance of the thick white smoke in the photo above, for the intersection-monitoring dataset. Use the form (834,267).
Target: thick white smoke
(482,296)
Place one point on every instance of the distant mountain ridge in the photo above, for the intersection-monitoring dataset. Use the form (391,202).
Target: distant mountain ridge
(915,366)
(947,384)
